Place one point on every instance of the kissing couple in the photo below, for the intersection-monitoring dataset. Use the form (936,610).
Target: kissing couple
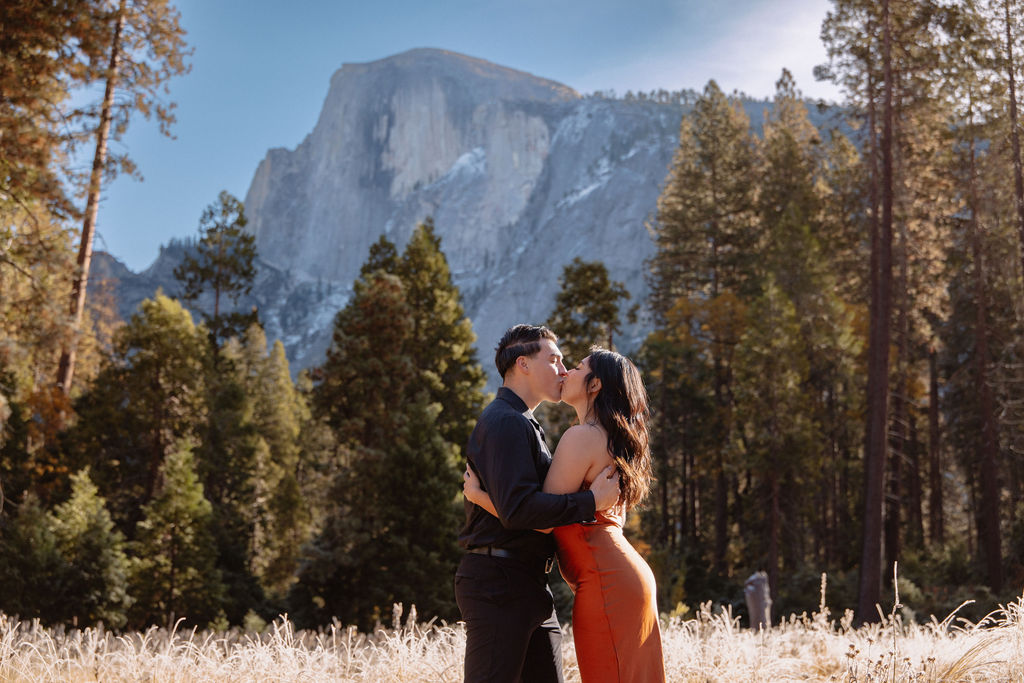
(523,504)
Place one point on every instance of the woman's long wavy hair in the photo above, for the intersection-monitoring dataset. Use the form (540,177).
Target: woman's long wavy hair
(621,408)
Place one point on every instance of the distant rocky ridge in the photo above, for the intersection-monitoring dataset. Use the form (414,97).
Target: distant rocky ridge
(520,174)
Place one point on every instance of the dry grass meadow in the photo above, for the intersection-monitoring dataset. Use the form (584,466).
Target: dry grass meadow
(707,647)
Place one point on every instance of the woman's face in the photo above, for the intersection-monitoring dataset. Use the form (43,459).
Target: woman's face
(573,391)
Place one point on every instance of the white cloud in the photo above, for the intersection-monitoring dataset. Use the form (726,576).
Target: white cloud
(744,52)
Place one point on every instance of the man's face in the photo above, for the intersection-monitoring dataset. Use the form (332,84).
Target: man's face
(547,372)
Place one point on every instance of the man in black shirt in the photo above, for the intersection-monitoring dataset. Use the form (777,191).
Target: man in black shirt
(512,633)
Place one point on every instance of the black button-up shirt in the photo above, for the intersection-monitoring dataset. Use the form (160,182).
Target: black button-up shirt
(508,452)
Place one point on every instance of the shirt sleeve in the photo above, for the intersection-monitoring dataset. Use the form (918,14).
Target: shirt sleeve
(503,460)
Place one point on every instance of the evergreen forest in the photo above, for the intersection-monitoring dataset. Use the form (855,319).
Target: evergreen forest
(835,361)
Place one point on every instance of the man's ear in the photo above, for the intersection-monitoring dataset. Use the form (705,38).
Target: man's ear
(523,363)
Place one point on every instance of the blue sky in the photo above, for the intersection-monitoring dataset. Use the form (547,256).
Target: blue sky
(261,68)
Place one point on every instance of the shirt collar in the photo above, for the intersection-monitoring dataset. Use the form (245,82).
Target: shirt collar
(512,398)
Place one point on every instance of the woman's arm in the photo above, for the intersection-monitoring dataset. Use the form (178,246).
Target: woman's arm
(581,454)
(474,493)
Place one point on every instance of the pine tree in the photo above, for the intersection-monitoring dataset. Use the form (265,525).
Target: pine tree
(142,46)
(36,261)
(35,266)
(383,256)
(97,581)
(881,54)
(404,551)
(222,267)
(33,572)
(704,228)
(586,314)
(679,380)
(150,395)
(983,224)
(174,567)
(390,535)
(706,241)
(1008,53)
(843,219)
(1002,192)
(227,456)
(279,516)
(805,253)
(586,311)
(46,50)
(789,202)
(373,328)
(443,355)
(775,411)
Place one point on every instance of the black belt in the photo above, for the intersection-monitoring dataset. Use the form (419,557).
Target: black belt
(491,551)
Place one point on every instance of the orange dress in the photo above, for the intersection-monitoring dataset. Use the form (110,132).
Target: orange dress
(615,614)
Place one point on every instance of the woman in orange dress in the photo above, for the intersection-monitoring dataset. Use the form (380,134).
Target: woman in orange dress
(615,615)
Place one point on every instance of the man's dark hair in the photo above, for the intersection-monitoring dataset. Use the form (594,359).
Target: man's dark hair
(521,340)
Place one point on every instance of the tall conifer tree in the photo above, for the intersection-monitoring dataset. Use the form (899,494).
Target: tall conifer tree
(223,268)
(444,354)
(174,570)
(400,390)
(142,46)
(96,588)
(150,394)
(32,568)
(706,237)
(803,248)
(772,369)
(278,515)
(390,536)
(587,309)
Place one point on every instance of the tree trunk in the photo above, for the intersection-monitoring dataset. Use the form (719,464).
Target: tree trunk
(869,589)
(989,540)
(738,506)
(1018,174)
(721,494)
(936,520)
(666,537)
(721,516)
(773,532)
(894,496)
(66,366)
(688,504)
(898,431)
(845,524)
(915,521)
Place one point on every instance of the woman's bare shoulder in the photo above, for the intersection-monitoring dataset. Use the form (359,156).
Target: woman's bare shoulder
(584,441)
(585,434)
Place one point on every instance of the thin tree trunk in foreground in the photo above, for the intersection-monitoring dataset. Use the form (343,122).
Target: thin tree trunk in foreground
(66,367)
(875,442)
(1018,173)
(989,540)
(936,520)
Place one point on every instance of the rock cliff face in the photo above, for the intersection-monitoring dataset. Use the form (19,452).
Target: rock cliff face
(520,174)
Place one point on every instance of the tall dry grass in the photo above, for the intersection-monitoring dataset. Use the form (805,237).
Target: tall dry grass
(709,647)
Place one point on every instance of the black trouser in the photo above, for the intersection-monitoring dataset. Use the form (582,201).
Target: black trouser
(512,633)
